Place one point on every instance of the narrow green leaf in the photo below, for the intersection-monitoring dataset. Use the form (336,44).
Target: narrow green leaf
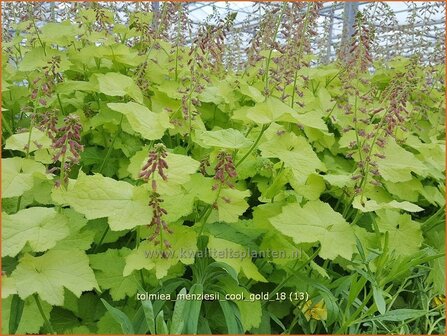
(120,317)
(277,321)
(149,313)
(379,299)
(139,322)
(161,327)
(223,266)
(193,309)
(178,316)
(399,315)
(232,317)
(17,305)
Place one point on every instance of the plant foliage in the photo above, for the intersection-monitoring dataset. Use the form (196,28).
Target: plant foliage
(133,165)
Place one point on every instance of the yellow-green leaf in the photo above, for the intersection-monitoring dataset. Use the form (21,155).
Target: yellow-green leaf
(149,124)
(315,222)
(40,227)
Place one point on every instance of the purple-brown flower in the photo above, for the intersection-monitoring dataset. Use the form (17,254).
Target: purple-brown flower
(157,222)
(224,169)
(155,162)
(69,138)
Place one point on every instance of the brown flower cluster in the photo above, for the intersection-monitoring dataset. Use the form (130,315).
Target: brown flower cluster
(298,30)
(68,138)
(156,163)
(209,45)
(205,55)
(263,39)
(224,170)
(398,94)
(372,125)
(359,54)
(43,87)
(66,141)
(48,123)
(157,222)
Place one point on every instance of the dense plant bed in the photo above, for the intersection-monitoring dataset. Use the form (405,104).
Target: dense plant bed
(283,197)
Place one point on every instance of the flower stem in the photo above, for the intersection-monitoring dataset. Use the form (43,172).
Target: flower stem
(267,63)
(178,41)
(19,200)
(295,77)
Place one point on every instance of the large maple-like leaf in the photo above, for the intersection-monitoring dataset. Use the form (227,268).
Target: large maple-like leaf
(315,222)
(49,274)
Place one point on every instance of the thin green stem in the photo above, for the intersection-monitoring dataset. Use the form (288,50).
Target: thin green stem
(249,130)
(352,318)
(19,201)
(62,174)
(356,218)
(60,103)
(264,127)
(340,199)
(143,283)
(30,131)
(37,33)
(29,141)
(178,41)
(335,76)
(208,211)
(278,175)
(109,150)
(42,313)
(138,237)
(102,239)
(330,112)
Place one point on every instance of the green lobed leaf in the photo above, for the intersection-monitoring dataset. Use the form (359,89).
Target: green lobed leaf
(399,163)
(116,84)
(40,227)
(372,205)
(149,124)
(294,151)
(271,110)
(150,256)
(225,138)
(36,139)
(405,235)
(47,275)
(97,196)
(108,267)
(231,204)
(315,222)
(18,175)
